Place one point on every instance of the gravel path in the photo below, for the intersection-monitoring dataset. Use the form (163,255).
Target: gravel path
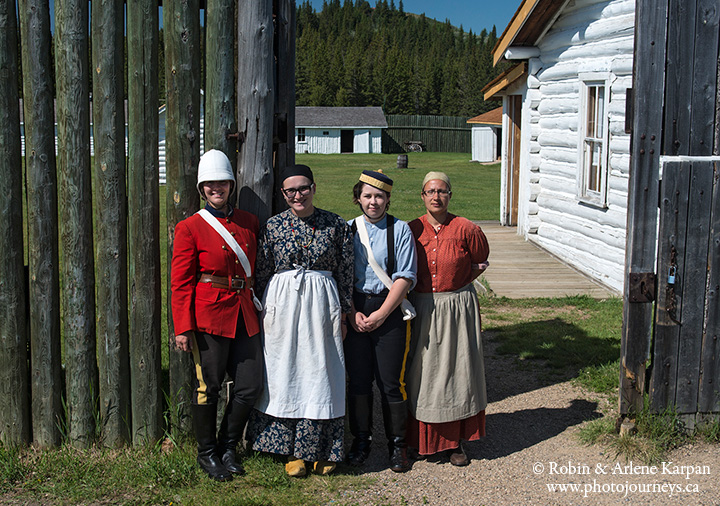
(531,439)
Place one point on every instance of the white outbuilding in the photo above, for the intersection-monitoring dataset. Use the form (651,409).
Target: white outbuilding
(328,130)
(486,140)
(565,148)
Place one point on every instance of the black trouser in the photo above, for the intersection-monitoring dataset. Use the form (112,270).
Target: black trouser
(379,354)
(241,358)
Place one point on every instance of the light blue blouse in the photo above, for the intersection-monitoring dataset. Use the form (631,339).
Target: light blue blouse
(405,255)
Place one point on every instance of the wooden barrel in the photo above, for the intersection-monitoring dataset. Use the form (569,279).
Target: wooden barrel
(402,162)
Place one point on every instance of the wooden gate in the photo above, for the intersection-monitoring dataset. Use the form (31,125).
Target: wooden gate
(671,317)
(685,355)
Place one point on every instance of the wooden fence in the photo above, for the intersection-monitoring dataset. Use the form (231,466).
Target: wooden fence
(449,134)
(108,385)
(671,319)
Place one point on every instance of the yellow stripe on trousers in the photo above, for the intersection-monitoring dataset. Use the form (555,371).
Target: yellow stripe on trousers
(404,363)
(202,387)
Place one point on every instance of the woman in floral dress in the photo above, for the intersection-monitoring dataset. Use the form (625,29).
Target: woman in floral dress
(305,268)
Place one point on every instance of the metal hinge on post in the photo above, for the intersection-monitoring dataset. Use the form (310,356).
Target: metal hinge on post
(238,136)
(641,286)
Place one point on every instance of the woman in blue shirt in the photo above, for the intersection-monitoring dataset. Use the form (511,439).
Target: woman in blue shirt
(377,342)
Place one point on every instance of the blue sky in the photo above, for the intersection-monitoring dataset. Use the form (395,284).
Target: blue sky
(471,14)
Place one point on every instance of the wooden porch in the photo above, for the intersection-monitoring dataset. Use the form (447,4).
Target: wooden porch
(520,269)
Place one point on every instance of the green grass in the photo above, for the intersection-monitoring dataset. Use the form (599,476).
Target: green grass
(476,187)
(710,431)
(656,435)
(576,337)
(152,476)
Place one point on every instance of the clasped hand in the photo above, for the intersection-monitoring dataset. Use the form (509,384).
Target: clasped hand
(362,323)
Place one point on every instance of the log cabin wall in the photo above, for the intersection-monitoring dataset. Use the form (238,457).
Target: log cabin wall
(592,42)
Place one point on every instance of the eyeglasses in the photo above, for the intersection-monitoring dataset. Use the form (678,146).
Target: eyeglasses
(290,192)
(432,191)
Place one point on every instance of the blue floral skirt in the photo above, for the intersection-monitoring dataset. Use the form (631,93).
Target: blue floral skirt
(309,440)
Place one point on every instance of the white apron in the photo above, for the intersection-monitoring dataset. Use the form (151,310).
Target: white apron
(303,348)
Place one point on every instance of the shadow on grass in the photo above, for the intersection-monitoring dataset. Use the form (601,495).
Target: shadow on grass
(525,356)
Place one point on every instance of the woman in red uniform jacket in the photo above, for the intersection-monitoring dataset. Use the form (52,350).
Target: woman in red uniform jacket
(214,315)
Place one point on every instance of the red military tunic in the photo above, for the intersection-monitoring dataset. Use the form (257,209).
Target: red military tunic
(199,249)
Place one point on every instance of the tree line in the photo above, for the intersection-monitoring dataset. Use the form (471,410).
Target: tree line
(353,54)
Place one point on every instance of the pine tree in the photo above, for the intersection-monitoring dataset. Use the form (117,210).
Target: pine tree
(352,54)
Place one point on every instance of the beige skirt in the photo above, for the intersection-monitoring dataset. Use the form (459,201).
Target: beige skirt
(446,372)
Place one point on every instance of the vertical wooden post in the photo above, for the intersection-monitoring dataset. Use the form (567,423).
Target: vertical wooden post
(695,273)
(255,107)
(14,400)
(109,135)
(708,398)
(144,221)
(41,185)
(220,77)
(650,35)
(671,251)
(75,210)
(182,71)
(285,97)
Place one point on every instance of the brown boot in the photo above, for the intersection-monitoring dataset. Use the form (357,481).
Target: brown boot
(458,457)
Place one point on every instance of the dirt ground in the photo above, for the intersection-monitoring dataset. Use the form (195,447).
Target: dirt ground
(532,446)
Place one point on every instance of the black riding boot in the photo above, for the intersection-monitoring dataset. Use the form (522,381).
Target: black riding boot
(231,430)
(204,417)
(360,414)
(395,418)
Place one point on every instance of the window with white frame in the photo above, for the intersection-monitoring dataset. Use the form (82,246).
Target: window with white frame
(301,134)
(593,141)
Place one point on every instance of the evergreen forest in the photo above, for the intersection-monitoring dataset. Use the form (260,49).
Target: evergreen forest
(353,54)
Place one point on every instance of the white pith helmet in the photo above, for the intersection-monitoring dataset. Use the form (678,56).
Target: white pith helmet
(214,166)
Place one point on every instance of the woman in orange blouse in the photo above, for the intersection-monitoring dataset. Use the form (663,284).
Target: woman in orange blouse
(446,375)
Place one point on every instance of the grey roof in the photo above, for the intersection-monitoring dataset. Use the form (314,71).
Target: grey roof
(343,117)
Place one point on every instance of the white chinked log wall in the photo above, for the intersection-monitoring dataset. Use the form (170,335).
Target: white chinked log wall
(589,36)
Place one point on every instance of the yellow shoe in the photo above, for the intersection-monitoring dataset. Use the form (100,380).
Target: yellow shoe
(323,467)
(295,467)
